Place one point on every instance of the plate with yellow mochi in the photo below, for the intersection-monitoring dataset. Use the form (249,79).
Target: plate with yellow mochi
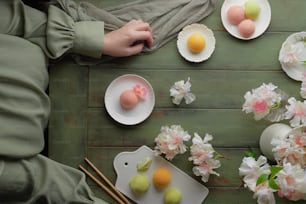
(196,42)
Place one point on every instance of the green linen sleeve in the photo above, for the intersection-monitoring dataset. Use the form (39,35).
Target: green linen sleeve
(56,33)
(83,37)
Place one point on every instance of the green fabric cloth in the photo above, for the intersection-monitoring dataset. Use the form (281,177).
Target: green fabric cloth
(39,180)
(27,39)
(166,17)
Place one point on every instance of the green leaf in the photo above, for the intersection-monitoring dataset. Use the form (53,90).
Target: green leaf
(218,156)
(274,170)
(273,185)
(262,178)
(251,153)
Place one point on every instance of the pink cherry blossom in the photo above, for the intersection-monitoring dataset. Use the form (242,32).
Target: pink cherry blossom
(202,155)
(292,182)
(262,100)
(264,194)
(251,169)
(291,149)
(290,53)
(140,91)
(170,141)
(296,111)
(260,107)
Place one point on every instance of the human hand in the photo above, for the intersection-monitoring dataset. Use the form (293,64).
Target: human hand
(128,40)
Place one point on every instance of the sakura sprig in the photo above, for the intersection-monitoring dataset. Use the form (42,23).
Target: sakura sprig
(269,102)
(288,180)
(296,111)
(291,181)
(290,149)
(181,90)
(170,141)
(251,169)
(203,157)
(262,100)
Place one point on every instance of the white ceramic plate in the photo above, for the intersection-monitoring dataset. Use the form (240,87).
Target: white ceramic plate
(182,42)
(261,23)
(125,164)
(112,100)
(295,44)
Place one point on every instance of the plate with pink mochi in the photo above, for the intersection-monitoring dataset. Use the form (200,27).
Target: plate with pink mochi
(140,111)
(261,23)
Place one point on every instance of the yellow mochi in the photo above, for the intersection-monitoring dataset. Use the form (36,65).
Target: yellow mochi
(196,43)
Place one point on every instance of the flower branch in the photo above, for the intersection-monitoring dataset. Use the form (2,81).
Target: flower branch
(171,142)
(287,178)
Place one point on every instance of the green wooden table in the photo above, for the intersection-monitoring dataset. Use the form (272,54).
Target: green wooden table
(80,126)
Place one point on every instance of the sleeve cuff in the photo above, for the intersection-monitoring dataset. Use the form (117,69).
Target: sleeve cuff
(88,40)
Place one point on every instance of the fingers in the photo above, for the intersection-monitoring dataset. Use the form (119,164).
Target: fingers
(144,36)
(142,31)
(128,40)
(136,49)
(141,26)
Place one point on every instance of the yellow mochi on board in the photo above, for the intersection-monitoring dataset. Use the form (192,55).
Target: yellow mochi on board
(161,178)
(139,184)
(172,196)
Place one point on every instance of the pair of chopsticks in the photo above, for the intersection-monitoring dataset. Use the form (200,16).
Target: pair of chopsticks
(116,194)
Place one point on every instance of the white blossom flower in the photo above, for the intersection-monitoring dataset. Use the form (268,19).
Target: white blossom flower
(264,194)
(206,168)
(288,180)
(261,100)
(297,111)
(292,182)
(251,169)
(202,155)
(171,140)
(291,149)
(289,54)
(201,150)
(181,90)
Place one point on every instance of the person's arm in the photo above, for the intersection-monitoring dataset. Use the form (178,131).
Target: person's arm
(57,33)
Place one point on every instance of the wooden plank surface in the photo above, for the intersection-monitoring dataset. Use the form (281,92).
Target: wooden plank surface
(80,126)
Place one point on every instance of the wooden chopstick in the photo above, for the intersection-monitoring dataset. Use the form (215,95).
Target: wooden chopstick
(107,181)
(101,185)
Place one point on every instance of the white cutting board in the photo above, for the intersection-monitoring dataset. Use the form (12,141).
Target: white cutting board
(125,164)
